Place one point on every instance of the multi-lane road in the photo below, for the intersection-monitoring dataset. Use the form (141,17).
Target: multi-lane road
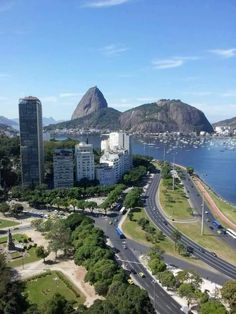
(155,214)
(127,255)
(197,201)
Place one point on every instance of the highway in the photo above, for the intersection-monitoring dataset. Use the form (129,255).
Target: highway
(155,214)
(162,301)
(197,202)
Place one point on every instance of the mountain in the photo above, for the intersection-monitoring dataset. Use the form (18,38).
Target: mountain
(7,130)
(8,122)
(228,122)
(93,100)
(103,119)
(165,115)
(46,121)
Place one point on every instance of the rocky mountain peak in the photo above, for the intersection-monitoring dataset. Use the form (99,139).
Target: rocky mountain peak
(93,100)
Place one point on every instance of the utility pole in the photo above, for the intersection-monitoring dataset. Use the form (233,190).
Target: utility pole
(203,210)
(173,174)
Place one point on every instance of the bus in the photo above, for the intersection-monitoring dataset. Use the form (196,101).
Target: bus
(217,224)
(231,233)
(120,233)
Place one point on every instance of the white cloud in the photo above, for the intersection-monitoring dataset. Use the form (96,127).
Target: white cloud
(103,3)
(113,50)
(225,53)
(171,62)
(70,95)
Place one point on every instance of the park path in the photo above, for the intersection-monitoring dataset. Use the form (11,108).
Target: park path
(215,209)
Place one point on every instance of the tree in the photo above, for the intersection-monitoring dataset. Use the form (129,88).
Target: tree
(4,208)
(188,291)
(132,198)
(41,252)
(17,209)
(167,279)
(190,170)
(212,306)
(176,235)
(228,293)
(59,237)
(58,304)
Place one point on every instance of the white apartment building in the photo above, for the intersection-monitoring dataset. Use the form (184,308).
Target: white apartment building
(63,168)
(105,174)
(84,161)
(117,141)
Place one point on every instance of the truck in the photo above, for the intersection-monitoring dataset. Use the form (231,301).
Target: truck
(120,233)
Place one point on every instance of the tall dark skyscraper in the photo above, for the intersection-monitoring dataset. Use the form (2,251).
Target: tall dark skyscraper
(31,140)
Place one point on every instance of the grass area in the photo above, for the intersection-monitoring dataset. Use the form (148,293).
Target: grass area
(4,223)
(174,202)
(29,257)
(16,237)
(226,208)
(41,288)
(135,232)
(209,240)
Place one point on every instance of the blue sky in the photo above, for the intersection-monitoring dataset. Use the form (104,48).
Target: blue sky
(135,51)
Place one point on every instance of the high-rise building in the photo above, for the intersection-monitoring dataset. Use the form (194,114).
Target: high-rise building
(31,141)
(84,161)
(119,140)
(63,168)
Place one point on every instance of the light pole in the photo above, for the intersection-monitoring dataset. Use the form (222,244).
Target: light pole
(173,175)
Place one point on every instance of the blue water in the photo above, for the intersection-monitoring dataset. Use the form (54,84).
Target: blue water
(214,160)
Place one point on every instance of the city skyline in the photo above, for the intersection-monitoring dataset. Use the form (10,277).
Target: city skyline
(133,51)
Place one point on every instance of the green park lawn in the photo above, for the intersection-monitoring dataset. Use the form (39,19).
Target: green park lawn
(41,288)
(4,223)
(174,202)
(19,237)
(28,257)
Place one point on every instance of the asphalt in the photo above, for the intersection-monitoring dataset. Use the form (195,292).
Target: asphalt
(155,214)
(197,203)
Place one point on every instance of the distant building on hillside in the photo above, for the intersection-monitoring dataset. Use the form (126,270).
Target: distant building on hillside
(31,141)
(84,158)
(63,168)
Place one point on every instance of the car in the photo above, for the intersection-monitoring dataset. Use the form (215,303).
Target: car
(110,222)
(206,212)
(130,281)
(213,253)
(201,250)
(124,246)
(190,249)
(141,274)
(207,219)
(133,271)
(211,227)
